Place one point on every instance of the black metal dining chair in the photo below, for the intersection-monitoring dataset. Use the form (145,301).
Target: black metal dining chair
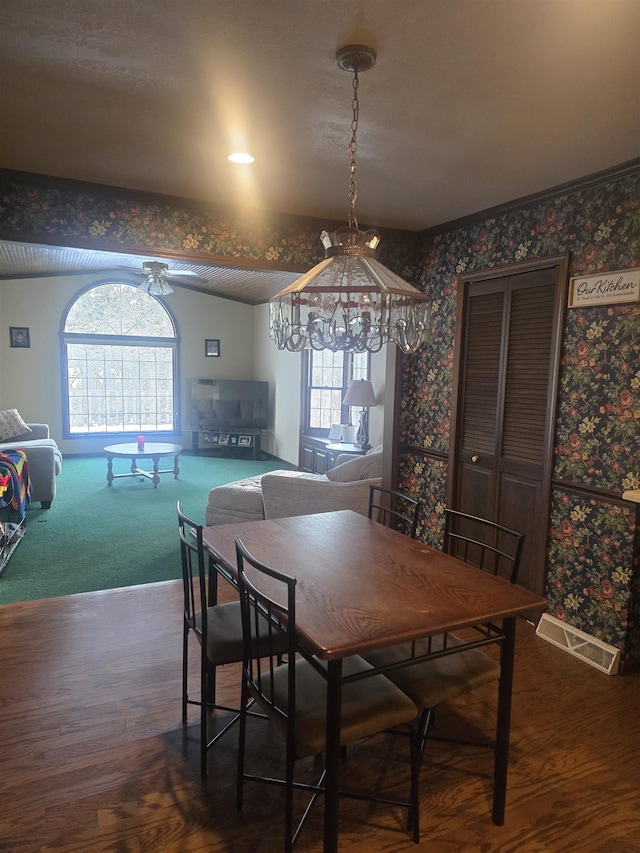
(217,627)
(394,509)
(491,547)
(486,544)
(294,695)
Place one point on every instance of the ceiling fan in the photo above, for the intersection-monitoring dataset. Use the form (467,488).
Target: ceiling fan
(156,275)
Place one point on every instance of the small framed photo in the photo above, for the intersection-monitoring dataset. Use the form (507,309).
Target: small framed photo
(19,336)
(212,348)
(244,441)
(224,438)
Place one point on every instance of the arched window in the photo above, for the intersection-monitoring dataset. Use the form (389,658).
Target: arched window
(119,355)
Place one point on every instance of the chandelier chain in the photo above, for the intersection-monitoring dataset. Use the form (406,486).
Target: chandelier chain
(350,302)
(352,148)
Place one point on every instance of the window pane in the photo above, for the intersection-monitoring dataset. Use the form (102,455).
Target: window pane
(324,408)
(360,365)
(329,375)
(325,388)
(119,309)
(119,387)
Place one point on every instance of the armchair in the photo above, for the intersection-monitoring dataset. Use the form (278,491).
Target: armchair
(44,460)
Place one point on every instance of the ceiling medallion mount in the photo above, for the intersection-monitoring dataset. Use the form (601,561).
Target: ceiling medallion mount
(355,57)
(350,302)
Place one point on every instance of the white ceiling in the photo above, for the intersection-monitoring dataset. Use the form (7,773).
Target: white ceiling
(471,103)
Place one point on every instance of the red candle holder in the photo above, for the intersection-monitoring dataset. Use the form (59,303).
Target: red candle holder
(140,442)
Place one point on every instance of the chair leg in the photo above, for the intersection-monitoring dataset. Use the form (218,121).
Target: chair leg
(416,761)
(242,736)
(185,655)
(424,722)
(204,715)
(288,819)
(211,688)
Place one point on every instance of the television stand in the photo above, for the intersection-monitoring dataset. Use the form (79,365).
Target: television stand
(231,439)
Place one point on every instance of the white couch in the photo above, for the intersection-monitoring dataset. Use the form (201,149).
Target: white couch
(283,494)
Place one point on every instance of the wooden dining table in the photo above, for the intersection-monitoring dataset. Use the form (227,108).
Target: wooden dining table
(363,586)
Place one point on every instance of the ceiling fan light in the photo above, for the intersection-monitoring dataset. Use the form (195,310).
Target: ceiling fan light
(155,283)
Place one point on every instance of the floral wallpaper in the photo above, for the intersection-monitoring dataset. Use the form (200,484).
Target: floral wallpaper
(592,578)
(90,215)
(591,575)
(598,431)
(426,479)
(591,582)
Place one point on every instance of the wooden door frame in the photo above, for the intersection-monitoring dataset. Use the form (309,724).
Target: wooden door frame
(392,409)
(560,302)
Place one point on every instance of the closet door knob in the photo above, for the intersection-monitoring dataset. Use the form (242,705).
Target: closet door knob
(475,458)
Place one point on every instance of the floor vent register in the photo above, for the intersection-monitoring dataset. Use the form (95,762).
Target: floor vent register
(595,652)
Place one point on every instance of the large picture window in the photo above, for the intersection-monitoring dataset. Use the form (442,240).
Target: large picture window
(328,376)
(120,363)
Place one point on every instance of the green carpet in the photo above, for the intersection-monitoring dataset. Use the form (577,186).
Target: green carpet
(95,537)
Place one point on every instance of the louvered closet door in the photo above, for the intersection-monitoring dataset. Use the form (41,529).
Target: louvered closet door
(508,364)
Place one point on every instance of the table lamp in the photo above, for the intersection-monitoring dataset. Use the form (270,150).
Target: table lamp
(361,393)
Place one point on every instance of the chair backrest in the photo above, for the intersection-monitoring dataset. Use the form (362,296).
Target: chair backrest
(394,509)
(266,594)
(486,544)
(194,572)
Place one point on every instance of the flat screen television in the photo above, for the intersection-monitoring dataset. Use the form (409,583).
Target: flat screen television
(229,404)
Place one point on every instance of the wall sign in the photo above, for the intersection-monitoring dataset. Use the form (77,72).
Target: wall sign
(604,288)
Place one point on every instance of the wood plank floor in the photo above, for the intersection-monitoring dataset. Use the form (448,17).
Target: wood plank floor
(94,756)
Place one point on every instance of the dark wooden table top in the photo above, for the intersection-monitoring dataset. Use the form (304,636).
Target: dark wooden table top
(362,586)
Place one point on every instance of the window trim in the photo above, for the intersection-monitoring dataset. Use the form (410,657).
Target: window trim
(78,337)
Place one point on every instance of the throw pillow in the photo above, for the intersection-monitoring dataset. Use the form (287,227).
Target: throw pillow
(11,424)
(359,468)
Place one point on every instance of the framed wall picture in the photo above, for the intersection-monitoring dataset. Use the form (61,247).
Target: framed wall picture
(19,336)
(212,348)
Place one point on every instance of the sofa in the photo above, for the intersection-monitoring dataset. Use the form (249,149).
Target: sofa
(283,494)
(43,457)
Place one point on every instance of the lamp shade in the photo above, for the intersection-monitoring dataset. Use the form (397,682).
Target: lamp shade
(360,393)
(349,302)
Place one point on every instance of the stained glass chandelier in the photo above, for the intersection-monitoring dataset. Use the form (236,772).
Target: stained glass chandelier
(350,301)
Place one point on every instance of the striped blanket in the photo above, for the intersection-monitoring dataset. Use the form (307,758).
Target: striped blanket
(15,484)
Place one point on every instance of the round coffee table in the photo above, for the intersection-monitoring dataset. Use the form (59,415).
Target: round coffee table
(151,451)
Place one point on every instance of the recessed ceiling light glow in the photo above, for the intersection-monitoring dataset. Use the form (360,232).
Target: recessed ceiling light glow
(240,157)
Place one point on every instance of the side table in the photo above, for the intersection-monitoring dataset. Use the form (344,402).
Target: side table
(346,447)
